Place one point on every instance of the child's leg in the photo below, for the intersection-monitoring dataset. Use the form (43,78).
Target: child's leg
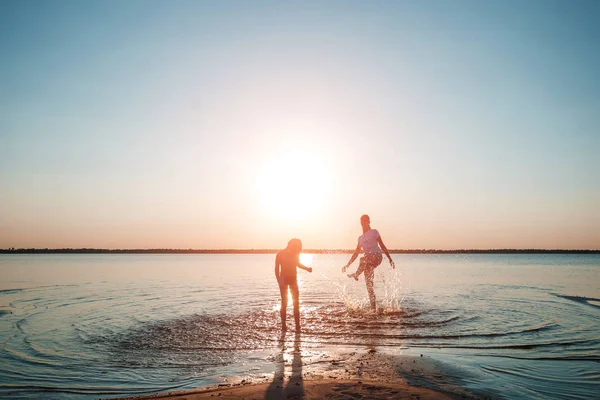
(284,300)
(296,298)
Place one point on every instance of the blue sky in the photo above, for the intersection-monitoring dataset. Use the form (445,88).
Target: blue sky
(467,124)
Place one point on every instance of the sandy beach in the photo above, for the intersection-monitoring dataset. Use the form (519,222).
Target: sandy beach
(364,374)
(318,389)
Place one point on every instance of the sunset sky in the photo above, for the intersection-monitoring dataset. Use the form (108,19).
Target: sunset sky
(241,124)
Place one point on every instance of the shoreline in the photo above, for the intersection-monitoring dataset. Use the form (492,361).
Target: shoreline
(346,374)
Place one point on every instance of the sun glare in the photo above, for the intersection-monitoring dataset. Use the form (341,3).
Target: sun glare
(306,258)
(294,186)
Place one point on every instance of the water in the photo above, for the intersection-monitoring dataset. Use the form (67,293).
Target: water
(90,326)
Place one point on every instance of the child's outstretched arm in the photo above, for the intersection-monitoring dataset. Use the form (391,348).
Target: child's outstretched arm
(309,269)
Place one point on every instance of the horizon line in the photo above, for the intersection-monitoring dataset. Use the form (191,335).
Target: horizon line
(86,250)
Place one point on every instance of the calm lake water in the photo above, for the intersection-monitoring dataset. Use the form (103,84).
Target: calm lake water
(90,326)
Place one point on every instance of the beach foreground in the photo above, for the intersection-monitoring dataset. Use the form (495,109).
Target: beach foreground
(318,389)
(364,374)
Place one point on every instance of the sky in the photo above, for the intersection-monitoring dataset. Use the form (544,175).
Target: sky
(242,124)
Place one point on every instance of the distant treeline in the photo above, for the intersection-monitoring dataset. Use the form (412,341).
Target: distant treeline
(272,251)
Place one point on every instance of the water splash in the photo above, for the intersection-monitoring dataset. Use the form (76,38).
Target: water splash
(391,303)
(352,303)
(393,291)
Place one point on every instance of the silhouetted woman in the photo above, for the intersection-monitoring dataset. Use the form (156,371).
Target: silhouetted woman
(372,245)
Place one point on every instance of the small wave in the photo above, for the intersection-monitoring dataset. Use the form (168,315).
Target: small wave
(22,289)
(5,312)
(591,358)
(97,391)
(590,301)
(10,291)
(524,346)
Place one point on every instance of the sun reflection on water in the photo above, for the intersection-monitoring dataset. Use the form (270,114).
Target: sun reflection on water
(306,258)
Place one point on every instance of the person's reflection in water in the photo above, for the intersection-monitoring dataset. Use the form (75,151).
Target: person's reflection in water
(294,388)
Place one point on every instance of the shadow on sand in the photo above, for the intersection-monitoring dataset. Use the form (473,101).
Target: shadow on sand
(294,387)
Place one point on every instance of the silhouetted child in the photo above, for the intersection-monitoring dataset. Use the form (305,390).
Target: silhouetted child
(286,262)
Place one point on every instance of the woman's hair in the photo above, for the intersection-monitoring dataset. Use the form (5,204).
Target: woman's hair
(295,245)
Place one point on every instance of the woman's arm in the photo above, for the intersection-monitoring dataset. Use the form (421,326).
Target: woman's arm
(356,253)
(385,250)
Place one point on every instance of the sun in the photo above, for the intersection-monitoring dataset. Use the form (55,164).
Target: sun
(294,186)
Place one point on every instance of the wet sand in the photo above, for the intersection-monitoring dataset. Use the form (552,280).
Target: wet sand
(317,390)
(364,374)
